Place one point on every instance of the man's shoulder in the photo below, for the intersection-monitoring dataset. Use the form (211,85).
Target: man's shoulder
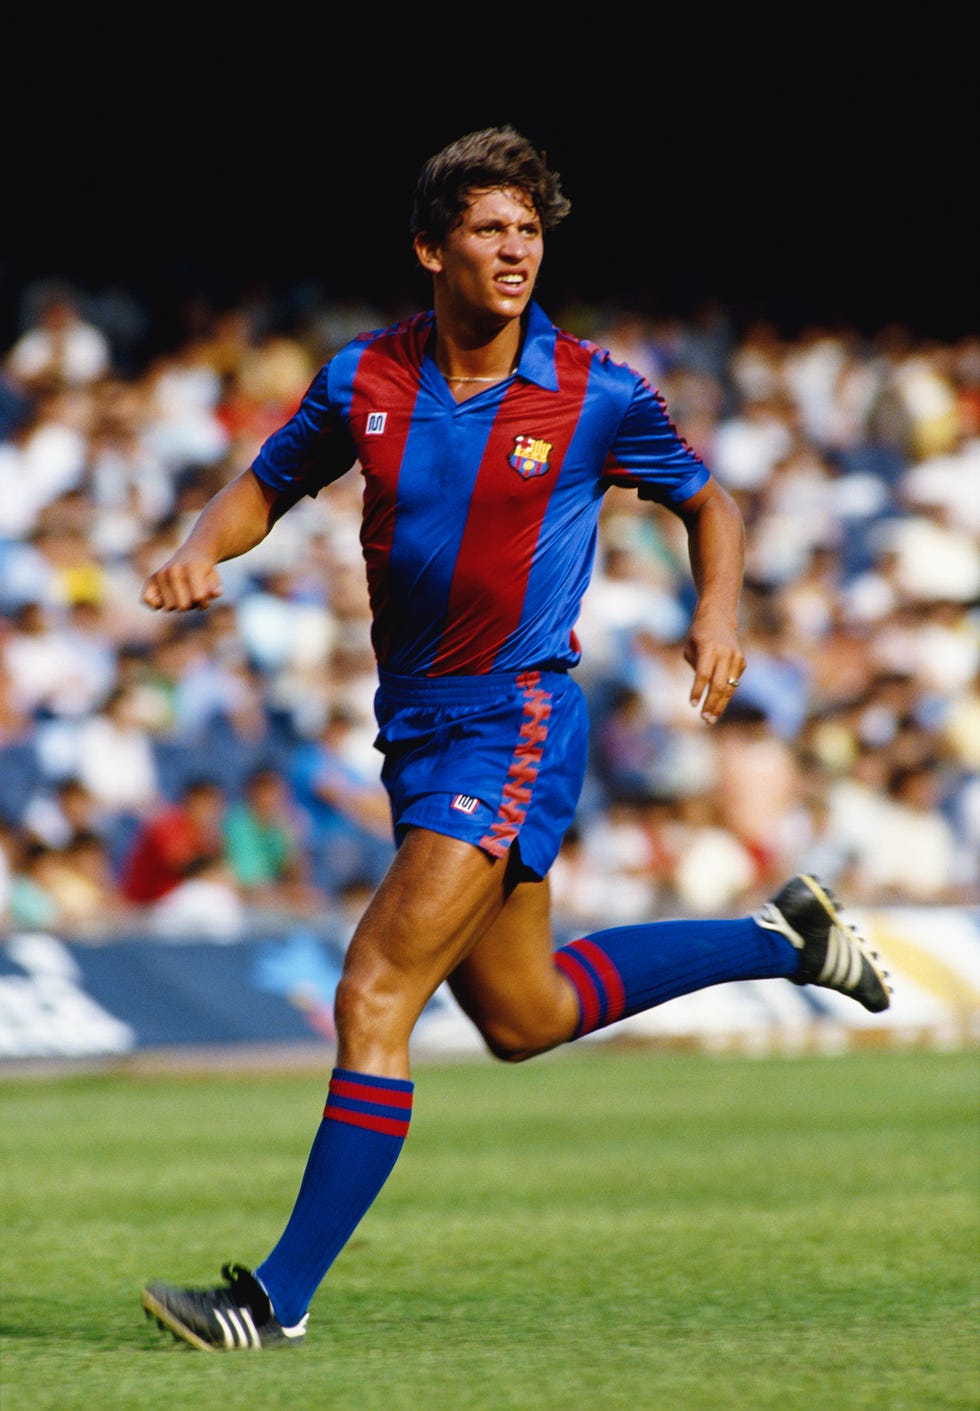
(402,342)
(612,385)
(552,351)
(409,329)
(602,360)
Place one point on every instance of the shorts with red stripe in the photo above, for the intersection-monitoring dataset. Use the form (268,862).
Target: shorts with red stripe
(493,760)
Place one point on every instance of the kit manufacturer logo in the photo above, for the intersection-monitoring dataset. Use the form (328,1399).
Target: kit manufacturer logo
(465,803)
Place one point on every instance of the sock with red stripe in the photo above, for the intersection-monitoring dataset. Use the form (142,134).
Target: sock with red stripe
(630,969)
(364,1126)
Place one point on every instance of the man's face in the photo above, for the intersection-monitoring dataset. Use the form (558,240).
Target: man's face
(486,267)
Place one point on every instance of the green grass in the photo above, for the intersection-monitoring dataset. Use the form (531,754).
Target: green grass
(599,1229)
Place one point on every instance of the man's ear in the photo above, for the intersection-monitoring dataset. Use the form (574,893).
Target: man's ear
(428,254)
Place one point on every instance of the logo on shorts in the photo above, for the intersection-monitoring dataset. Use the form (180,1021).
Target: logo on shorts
(375,423)
(463,803)
(530,456)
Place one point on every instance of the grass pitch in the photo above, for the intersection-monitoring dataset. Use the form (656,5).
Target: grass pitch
(598,1229)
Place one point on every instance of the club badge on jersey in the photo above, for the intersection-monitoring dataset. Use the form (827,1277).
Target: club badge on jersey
(530,456)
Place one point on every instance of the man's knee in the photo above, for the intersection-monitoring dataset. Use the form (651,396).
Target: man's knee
(363,1003)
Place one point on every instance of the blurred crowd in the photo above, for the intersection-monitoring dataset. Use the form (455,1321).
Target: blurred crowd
(202,772)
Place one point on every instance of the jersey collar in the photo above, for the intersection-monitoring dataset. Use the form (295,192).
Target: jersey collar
(537,361)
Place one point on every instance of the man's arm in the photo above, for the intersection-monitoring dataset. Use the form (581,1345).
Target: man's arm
(716,544)
(238,518)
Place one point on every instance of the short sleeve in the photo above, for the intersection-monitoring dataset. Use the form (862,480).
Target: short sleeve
(312,448)
(649,455)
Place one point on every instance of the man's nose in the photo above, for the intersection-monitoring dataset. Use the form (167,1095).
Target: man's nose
(514,244)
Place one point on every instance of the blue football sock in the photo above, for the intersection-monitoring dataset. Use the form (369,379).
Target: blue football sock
(630,969)
(364,1126)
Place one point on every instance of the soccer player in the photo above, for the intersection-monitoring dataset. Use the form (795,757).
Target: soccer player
(487,440)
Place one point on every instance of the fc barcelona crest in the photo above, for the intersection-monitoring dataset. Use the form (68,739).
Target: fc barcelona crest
(530,456)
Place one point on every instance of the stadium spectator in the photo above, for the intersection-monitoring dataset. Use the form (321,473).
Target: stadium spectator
(912,851)
(758,791)
(73,573)
(937,558)
(218,689)
(263,390)
(60,811)
(338,790)
(80,880)
(637,588)
(174,841)
(38,666)
(607,871)
(266,850)
(112,754)
(748,444)
(285,625)
(46,458)
(205,902)
(182,428)
(821,850)
(59,347)
(713,869)
(32,902)
(15,411)
(128,483)
(10,844)
(629,747)
(779,683)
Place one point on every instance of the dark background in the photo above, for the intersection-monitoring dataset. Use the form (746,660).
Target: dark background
(834,194)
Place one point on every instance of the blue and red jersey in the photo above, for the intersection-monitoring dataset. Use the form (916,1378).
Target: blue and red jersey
(480,517)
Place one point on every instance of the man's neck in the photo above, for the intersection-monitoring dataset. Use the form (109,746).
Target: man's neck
(467,353)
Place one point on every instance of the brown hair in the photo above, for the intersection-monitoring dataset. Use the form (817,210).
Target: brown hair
(493,157)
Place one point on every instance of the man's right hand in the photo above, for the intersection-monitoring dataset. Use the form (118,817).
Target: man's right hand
(181,584)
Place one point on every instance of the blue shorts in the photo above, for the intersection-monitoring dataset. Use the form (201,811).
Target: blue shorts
(492,760)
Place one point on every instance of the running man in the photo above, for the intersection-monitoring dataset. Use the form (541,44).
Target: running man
(487,440)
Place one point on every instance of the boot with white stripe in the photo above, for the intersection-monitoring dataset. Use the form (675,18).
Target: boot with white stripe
(238,1318)
(832,953)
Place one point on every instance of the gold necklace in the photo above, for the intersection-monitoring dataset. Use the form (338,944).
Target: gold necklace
(499,377)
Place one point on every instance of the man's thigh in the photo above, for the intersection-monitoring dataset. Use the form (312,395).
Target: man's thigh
(436,901)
